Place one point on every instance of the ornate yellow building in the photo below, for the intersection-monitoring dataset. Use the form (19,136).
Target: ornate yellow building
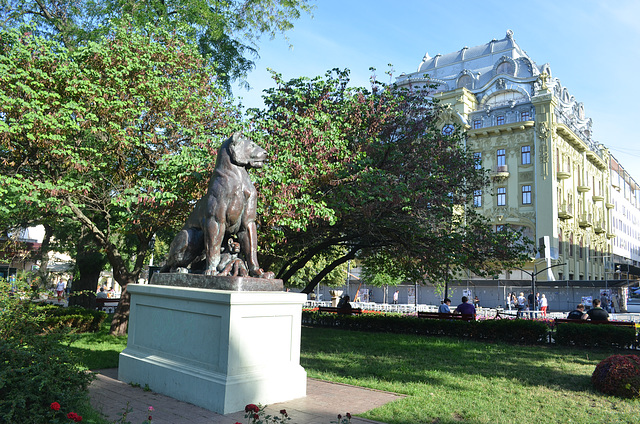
(548,176)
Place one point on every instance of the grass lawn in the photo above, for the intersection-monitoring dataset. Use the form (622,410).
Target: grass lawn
(445,380)
(459,381)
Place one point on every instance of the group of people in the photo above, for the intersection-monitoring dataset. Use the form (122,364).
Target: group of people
(465,308)
(529,303)
(596,313)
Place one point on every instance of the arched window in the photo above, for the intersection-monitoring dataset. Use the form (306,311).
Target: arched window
(465,81)
(505,68)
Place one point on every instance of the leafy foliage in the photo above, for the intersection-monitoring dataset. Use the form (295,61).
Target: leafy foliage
(226,32)
(618,375)
(35,366)
(591,335)
(370,171)
(117,136)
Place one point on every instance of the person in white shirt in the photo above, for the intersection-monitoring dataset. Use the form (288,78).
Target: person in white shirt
(543,305)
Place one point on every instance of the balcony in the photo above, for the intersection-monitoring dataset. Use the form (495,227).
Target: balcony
(609,205)
(599,227)
(585,220)
(563,175)
(565,211)
(501,172)
(583,188)
(597,197)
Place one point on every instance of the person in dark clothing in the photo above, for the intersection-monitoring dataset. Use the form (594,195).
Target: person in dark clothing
(577,313)
(531,299)
(466,308)
(597,313)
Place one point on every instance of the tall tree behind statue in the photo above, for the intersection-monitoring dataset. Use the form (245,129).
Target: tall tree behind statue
(111,135)
(367,173)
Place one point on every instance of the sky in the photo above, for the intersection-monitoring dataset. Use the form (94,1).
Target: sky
(593,47)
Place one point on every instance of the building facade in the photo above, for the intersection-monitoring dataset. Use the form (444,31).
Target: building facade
(549,177)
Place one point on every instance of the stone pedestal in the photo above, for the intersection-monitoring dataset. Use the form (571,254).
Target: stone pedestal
(218,349)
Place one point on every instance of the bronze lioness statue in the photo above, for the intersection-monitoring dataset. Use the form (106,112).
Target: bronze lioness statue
(227,210)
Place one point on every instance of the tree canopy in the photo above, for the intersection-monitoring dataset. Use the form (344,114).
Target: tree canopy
(370,171)
(117,135)
(226,31)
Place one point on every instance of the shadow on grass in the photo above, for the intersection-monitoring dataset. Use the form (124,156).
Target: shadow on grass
(401,359)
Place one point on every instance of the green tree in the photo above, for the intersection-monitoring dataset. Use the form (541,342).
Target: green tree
(369,171)
(226,32)
(117,135)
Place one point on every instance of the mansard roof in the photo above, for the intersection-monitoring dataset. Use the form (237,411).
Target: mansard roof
(480,62)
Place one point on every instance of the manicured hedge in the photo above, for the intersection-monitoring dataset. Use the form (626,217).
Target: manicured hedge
(78,319)
(595,335)
(514,331)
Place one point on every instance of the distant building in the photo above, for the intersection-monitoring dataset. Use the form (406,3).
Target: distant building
(550,178)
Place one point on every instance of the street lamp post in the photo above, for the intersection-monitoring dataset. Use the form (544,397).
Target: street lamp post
(533,279)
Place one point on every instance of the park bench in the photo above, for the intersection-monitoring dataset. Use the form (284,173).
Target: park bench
(107,305)
(334,310)
(585,321)
(450,316)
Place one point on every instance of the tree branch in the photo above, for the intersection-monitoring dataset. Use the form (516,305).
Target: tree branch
(333,265)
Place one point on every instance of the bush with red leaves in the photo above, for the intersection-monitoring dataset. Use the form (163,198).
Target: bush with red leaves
(618,375)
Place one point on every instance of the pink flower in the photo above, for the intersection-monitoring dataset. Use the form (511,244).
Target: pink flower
(55,406)
(151,409)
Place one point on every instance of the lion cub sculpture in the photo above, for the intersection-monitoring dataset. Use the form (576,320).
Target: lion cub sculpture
(227,212)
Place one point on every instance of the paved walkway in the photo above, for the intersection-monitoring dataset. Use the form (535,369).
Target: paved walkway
(323,403)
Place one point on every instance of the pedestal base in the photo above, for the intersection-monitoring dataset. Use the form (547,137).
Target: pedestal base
(214,348)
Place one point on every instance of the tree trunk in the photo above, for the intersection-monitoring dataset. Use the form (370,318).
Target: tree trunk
(316,280)
(90,263)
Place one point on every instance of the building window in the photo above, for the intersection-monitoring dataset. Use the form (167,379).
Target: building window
(571,247)
(477,198)
(581,248)
(502,196)
(502,159)
(526,194)
(500,120)
(526,155)
(525,116)
(477,157)
(477,124)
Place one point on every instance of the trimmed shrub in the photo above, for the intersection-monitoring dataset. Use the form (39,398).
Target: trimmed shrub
(618,375)
(514,331)
(594,335)
(78,319)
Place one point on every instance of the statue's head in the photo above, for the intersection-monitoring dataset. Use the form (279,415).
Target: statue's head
(244,152)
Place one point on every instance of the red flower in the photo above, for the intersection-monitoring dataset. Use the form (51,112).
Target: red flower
(283,412)
(348,415)
(55,406)
(339,416)
(75,417)
(251,408)
(256,417)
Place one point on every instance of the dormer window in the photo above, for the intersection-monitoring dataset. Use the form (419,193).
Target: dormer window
(505,68)
(500,120)
(465,81)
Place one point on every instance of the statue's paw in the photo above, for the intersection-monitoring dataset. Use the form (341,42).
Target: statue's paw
(210,272)
(259,273)
(181,270)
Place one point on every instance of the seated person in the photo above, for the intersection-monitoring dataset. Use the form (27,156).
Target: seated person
(597,313)
(577,313)
(101,294)
(466,308)
(344,307)
(444,308)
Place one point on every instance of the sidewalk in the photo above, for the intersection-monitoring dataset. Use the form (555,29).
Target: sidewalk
(323,403)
